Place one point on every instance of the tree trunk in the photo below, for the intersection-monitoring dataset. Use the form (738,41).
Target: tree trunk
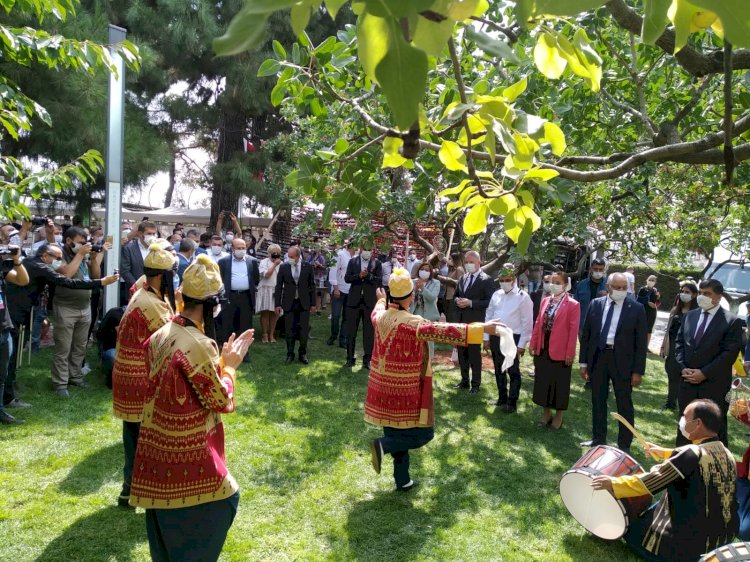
(231,141)
(172,173)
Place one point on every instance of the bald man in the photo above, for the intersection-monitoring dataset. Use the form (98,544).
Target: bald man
(613,348)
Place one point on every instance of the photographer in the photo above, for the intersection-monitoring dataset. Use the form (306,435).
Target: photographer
(11,271)
(235,228)
(72,310)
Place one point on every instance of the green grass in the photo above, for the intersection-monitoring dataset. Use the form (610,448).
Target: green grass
(297,446)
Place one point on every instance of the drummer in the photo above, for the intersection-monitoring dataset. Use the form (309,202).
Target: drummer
(698,512)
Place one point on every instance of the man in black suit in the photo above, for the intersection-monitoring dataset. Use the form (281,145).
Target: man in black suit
(365,275)
(706,346)
(240,275)
(613,347)
(295,295)
(131,259)
(472,297)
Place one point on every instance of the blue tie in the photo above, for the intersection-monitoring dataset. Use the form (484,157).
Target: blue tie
(605,329)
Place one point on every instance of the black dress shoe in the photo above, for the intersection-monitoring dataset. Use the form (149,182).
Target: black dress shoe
(303,358)
(509,408)
(366,364)
(331,341)
(7,419)
(498,402)
(461,385)
(587,386)
(289,358)
(349,363)
(474,390)
(342,345)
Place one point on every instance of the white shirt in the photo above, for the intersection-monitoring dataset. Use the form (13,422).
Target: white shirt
(631,282)
(467,281)
(513,309)
(240,278)
(711,313)
(265,265)
(342,262)
(214,258)
(615,319)
(144,251)
(387,268)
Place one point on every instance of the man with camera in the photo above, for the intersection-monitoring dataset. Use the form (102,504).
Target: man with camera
(11,271)
(72,310)
(131,258)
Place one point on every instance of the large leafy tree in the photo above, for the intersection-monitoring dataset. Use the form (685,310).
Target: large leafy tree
(23,45)
(508,108)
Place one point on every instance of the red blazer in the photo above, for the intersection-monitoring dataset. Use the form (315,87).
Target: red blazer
(564,336)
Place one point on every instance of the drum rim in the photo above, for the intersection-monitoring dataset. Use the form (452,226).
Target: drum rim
(617,501)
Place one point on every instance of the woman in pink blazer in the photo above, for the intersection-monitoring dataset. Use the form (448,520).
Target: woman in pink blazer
(553,345)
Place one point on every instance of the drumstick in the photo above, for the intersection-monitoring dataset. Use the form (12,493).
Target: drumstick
(637,434)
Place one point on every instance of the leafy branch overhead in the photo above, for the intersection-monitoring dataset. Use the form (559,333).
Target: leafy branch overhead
(451,89)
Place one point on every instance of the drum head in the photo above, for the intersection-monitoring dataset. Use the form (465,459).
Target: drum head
(734,552)
(597,510)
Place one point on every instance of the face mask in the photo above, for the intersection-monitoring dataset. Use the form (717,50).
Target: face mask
(15,240)
(470,268)
(619,296)
(444,270)
(125,232)
(76,247)
(651,283)
(556,289)
(229,237)
(394,261)
(149,239)
(239,254)
(683,428)
(58,238)
(424,275)
(366,255)
(704,302)
(56,264)
(686,297)
(547,287)
(507,287)
(412,257)
(216,250)
(294,261)
(597,275)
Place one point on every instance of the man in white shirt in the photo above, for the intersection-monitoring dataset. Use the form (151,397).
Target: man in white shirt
(340,295)
(514,308)
(411,261)
(240,275)
(630,276)
(216,249)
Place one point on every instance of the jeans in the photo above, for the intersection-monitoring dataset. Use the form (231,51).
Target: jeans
(40,313)
(6,350)
(108,362)
(398,442)
(130,432)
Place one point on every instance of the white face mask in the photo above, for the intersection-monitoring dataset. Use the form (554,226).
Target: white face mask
(76,247)
(294,261)
(15,240)
(412,257)
(686,297)
(229,237)
(704,302)
(58,239)
(470,268)
(618,296)
(547,287)
(56,264)
(424,275)
(597,275)
(506,287)
(683,428)
(216,250)
(239,254)
(444,270)
(149,239)
(366,255)
(555,289)
(394,261)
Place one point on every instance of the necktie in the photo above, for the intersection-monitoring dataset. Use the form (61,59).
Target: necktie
(605,329)
(469,281)
(701,329)
(295,273)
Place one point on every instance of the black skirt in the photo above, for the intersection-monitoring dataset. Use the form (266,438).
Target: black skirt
(551,380)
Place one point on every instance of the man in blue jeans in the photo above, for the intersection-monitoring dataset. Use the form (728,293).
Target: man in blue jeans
(106,339)
(339,295)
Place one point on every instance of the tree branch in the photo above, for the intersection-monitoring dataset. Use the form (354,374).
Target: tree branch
(728,123)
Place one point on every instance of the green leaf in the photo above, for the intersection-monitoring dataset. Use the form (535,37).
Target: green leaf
(391,156)
(654,20)
(397,8)
(476,219)
(524,239)
(565,7)
(432,37)
(333,7)
(373,39)
(526,197)
(244,33)
(460,10)
(402,74)
(734,16)
(512,92)
(270,67)
(502,205)
(341,146)
(279,50)
(454,190)
(543,174)
(491,46)
(278,94)
(452,156)
(300,16)
(555,137)
(490,144)
(547,57)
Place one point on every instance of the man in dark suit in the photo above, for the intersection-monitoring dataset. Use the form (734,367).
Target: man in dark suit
(295,295)
(706,346)
(240,275)
(472,297)
(132,256)
(613,347)
(365,275)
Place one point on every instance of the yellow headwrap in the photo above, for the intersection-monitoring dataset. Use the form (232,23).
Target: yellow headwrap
(202,279)
(400,283)
(159,258)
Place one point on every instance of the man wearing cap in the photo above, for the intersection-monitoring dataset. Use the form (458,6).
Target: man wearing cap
(180,473)
(399,390)
(148,310)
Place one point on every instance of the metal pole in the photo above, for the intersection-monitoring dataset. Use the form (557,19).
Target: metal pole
(114,171)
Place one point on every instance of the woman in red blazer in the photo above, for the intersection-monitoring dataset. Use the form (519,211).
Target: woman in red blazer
(553,345)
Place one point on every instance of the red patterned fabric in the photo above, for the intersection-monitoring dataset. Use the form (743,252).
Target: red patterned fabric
(399,391)
(145,314)
(180,459)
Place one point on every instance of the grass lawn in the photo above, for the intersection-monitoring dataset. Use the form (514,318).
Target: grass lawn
(298,447)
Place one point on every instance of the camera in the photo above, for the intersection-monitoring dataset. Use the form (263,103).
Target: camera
(96,248)
(7,251)
(39,221)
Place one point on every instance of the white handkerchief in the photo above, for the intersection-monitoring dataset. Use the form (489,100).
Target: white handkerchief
(507,346)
